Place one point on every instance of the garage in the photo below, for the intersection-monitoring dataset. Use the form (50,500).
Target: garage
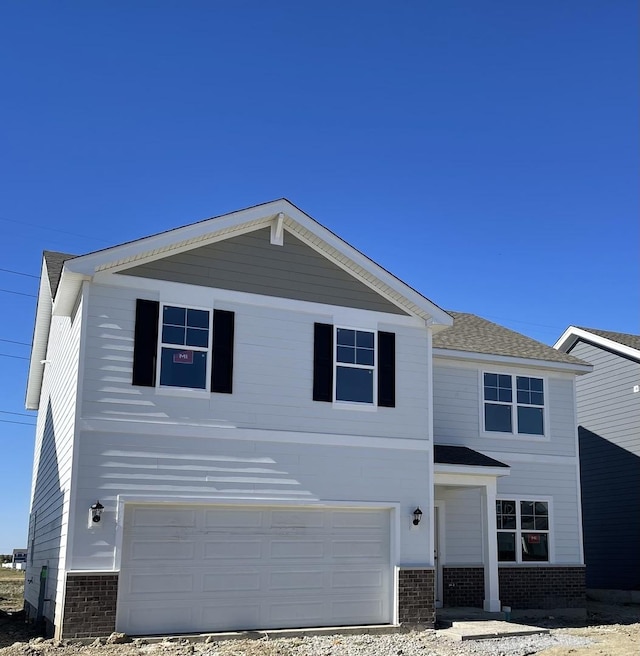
(202,568)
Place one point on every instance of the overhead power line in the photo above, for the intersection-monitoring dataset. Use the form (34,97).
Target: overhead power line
(13,341)
(63,232)
(17,357)
(21,414)
(19,273)
(10,291)
(10,421)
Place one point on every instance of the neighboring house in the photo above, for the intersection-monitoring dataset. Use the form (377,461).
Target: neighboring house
(608,406)
(19,559)
(236,430)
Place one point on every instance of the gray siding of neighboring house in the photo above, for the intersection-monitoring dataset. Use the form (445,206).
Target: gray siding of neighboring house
(250,263)
(609,432)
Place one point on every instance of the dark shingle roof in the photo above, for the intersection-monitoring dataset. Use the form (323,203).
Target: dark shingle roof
(462,455)
(625,339)
(476,335)
(54,262)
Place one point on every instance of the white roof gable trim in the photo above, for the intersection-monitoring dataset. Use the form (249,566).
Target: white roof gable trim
(40,340)
(572,334)
(279,214)
(224,227)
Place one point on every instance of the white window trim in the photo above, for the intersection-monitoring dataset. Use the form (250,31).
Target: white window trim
(354,405)
(170,390)
(502,435)
(518,531)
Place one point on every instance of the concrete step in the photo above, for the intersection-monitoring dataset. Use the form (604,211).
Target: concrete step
(488,629)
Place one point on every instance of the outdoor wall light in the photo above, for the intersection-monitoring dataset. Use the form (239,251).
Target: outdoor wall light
(417,516)
(94,513)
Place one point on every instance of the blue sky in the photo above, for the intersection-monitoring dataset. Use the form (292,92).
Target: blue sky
(483,151)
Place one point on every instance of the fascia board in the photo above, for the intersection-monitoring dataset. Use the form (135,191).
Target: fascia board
(438,315)
(40,341)
(511,360)
(89,264)
(68,290)
(572,334)
(470,470)
(154,247)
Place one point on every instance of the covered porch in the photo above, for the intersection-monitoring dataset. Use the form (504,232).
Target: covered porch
(465,543)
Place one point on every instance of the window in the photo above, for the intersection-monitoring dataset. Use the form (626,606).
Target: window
(523,530)
(355,365)
(178,346)
(184,347)
(501,414)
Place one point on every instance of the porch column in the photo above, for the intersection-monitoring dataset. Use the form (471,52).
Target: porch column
(491,585)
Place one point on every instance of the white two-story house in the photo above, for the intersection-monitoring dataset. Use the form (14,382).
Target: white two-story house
(245,423)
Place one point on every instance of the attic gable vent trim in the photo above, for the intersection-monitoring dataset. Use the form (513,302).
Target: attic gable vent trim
(277,230)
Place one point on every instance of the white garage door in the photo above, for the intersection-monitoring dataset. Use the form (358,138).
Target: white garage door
(204,568)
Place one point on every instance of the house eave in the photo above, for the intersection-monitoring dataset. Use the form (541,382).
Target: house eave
(573,334)
(471,470)
(44,309)
(302,226)
(512,360)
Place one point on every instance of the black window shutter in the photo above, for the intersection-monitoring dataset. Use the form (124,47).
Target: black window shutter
(323,362)
(387,369)
(145,345)
(222,365)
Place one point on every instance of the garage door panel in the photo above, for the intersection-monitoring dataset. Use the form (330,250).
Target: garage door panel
(164,620)
(358,549)
(233,549)
(161,583)
(368,578)
(353,520)
(163,517)
(295,613)
(231,582)
(246,568)
(297,549)
(296,579)
(243,616)
(169,550)
(231,518)
(296,519)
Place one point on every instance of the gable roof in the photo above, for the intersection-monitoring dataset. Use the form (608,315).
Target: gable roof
(623,343)
(65,273)
(473,334)
(54,262)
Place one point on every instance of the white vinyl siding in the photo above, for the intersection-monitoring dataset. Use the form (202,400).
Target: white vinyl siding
(218,466)
(458,408)
(52,463)
(272,375)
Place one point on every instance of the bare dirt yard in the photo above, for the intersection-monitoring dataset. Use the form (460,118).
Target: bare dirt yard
(610,630)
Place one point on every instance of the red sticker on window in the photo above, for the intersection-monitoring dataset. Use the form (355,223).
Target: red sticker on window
(183,357)
(533,539)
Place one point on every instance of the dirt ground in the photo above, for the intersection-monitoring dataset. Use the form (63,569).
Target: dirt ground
(614,630)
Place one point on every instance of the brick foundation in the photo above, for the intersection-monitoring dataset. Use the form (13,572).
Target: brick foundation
(543,587)
(89,605)
(463,587)
(416,597)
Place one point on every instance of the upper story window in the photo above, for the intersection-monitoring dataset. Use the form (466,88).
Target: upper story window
(355,365)
(185,347)
(182,347)
(506,412)
(523,530)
